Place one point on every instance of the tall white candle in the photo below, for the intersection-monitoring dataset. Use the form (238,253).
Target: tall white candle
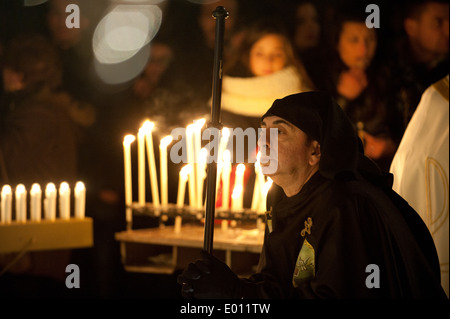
(163,169)
(259,181)
(192,183)
(236,195)
(148,127)
(35,202)
(184,173)
(238,189)
(6,204)
(226,172)
(50,202)
(21,203)
(128,139)
(197,140)
(80,200)
(224,137)
(265,190)
(64,201)
(141,166)
(219,175)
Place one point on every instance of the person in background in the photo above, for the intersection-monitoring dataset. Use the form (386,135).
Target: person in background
(357,78)
(307,32)
(421,167)
(38,144)
(193,47)
(161,56)
(38,137)
(75,47)
(421,55)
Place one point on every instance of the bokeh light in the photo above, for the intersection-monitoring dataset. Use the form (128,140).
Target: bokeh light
(121,40)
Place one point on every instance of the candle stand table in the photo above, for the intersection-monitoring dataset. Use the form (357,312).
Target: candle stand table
(165,248)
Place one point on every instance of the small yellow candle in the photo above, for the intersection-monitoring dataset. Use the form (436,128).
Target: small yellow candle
(80,200)
(148,127)
(178,222)
(192,183)
(141,166)
(50,202)
(21,203)
(197,141)
(184,173)
(127,172)
(163,168)
(219,175)
(201,176)
(6,204)
(226,172)
(64,201)
(35,202)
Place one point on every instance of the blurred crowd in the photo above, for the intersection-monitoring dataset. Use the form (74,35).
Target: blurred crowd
(59,120)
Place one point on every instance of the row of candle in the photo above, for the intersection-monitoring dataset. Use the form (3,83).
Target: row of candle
(192,175)
(49,202)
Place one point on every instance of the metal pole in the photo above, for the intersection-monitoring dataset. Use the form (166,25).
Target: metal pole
(220,14)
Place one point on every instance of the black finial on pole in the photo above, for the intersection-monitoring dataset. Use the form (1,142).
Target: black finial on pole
(220,14)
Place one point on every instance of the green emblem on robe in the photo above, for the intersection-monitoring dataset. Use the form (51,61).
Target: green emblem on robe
(304,267)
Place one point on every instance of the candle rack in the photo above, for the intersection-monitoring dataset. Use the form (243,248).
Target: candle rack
(31,223)
(190,214)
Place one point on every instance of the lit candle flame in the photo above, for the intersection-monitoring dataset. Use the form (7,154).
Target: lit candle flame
(186,170)
(225,133)
(165,141)
(199,123)
(6,189)
(148,126)
(79,186)
(240,169)
(128,139)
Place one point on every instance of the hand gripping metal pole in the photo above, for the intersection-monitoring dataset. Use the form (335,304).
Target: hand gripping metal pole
(220,14)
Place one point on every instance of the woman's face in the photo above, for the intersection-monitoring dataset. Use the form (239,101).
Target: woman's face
(268,55)
(307,30)
(12,80)
(357,45)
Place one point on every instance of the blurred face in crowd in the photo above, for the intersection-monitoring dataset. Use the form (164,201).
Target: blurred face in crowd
(296,155)
(208,24)
(357,45)
(12,81)
(268,55)
(160,57)
(63,36)
(429,31)
(307,27)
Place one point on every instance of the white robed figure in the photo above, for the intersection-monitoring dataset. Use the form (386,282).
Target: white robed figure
(421,167)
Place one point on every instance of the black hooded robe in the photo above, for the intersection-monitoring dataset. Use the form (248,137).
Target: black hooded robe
(363,246)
